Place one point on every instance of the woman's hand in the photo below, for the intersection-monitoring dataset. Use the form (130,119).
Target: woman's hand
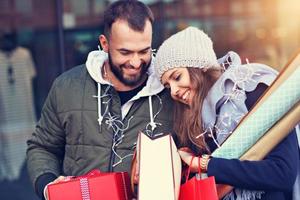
(187,155)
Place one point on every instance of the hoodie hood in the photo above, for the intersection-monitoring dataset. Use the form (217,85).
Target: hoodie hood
(229,93)
(94,64)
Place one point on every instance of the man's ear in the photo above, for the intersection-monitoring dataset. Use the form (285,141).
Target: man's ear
(104,43)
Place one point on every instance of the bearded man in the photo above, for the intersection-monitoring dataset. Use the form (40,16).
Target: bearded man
(94,112)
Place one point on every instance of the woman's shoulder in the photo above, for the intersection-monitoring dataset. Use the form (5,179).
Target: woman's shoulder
(245,76)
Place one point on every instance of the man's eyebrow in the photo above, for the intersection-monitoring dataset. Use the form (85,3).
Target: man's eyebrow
(124,49)
(145,49)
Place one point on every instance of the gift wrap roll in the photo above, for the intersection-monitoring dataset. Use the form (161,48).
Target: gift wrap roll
(274,136)
(257,123)
(266,143)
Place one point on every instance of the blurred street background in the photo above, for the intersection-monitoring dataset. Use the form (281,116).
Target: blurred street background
(40,39)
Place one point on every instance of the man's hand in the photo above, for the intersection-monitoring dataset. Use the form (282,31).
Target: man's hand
(136,173)
(59,179)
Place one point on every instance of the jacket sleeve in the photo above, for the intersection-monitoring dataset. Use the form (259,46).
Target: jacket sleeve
(277,171)
(46,146)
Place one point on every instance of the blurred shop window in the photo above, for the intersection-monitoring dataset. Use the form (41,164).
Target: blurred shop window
(99,6)
(23,6)
(4,5)
(236,7)
(254,6)
(154,1)
(207,9)
(78,44)
(77,7)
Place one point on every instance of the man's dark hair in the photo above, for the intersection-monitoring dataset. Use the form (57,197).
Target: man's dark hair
(134,12)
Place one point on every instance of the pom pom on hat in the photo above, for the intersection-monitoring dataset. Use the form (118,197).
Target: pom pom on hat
(190,47)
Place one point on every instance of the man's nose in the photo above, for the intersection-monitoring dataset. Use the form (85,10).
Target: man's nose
(135,61)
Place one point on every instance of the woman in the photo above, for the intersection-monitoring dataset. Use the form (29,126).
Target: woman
(211,97)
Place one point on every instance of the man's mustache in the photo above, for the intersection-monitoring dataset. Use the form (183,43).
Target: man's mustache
(132,67)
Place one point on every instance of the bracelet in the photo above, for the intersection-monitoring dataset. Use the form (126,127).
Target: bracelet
(204,161)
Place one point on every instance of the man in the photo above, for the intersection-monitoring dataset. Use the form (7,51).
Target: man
(93,113)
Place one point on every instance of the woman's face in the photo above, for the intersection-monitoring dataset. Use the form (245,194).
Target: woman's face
(179,82)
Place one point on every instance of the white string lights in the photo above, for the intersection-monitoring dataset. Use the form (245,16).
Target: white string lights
(241,75)
(118,127)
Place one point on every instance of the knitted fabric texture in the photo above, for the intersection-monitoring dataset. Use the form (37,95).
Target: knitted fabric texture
(190,47)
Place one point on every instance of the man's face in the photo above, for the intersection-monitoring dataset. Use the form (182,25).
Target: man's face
(129,52)
(122,72)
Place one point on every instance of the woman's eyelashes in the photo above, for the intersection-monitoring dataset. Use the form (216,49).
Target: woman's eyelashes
(177,77)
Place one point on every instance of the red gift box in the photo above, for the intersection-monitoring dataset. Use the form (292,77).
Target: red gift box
(93,186)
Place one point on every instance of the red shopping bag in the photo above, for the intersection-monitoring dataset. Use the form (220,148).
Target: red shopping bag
(197,188)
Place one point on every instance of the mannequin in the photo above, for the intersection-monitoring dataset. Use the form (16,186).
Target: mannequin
(17,119)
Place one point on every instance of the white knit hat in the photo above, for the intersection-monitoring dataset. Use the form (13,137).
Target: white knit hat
(190,47)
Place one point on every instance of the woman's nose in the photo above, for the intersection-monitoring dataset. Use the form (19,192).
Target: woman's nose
(174,90)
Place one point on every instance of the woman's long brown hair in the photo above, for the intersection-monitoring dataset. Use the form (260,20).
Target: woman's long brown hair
(187,119)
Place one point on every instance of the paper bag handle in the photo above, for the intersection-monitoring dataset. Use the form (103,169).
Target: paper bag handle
(189,169)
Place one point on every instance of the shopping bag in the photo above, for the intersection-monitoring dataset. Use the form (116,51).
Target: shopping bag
(159,166)
(198,188)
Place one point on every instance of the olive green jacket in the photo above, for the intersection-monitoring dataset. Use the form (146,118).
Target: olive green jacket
(81,129)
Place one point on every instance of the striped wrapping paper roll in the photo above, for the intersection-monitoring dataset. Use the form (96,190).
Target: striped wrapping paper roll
(257,123)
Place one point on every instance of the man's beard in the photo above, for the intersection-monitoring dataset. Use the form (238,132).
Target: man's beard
(132,80)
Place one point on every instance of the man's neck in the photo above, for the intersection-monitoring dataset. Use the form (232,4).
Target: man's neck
(109,76)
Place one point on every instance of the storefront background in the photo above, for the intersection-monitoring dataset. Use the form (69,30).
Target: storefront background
(60,33)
